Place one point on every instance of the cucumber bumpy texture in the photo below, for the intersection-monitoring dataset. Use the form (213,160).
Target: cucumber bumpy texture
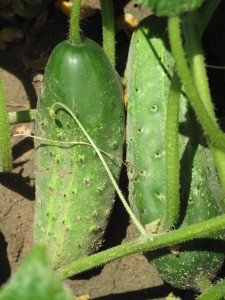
(148,75)
(74,195)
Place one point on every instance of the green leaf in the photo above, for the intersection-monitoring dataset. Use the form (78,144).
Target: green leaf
(35,280)
(171,7)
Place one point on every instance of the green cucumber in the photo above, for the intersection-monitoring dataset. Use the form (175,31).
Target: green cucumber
(74,195)
(148,75)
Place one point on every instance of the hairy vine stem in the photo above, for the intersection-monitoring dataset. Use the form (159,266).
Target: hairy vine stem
(210,126)
(142,244)
(5,144)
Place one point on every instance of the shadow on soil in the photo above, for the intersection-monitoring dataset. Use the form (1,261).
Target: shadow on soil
(4,262)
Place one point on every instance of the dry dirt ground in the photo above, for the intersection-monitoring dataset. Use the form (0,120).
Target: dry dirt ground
(21,68)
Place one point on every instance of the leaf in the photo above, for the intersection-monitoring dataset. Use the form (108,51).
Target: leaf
(171,7)
(35,280)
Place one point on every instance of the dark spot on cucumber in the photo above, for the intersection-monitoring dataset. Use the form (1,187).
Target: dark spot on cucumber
(100,190)
(158,155)
(87,183)
(120,130)
(73,192)
(59,135)
(52,153)
(95,229)
(50,186)
(94,214)
(158,195)
(137,90)
(143,173)
(81,159)
(113,103)
(154,108)
(114,145)
(140,130)
(42,124)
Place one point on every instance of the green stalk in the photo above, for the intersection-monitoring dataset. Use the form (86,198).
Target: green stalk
(197,61)
(216,292)
(172,154)
(198,69)
(74,30)
(108,29)
(143,244)
(209,7)
(210,126)
(5,144)
(23,116)
(123,200)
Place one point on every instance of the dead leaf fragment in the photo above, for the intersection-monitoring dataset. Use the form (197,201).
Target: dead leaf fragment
(65,6)
(84,297)
(11,34)
(127,23)
(37,64)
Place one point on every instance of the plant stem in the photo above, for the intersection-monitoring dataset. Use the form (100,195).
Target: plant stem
(197,61)
(23,116)
(74,30)
(108,29)
(172,154)
(143,244)
(209,7)
(216,292)
(5,145)
(208,123)
(198,69)
(127,207)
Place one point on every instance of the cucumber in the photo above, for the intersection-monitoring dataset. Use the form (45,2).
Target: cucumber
(148,75)
(74,195)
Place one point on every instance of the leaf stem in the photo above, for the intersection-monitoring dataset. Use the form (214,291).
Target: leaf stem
(172,154)
(74,30)
(208,123)
(108,29)
(5,145)
(142,244)
(127,207)
(198,70)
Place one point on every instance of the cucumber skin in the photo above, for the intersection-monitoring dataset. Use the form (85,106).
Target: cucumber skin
(201,194)
(74,195)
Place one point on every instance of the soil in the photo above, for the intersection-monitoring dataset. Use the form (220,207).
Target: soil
(21,68)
